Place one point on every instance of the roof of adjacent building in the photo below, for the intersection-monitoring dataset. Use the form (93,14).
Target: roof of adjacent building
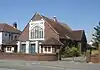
(13,42)
(62,29)
(8,28)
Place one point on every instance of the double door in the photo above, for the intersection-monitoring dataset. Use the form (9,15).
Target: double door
(32,48)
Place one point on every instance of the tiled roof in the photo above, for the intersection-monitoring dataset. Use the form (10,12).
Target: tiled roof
(25,34)
(66,26)
(62,29)
(13,42)
(77,34)
(51,41)
(8,28)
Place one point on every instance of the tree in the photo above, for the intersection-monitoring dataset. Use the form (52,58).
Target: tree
(96,35)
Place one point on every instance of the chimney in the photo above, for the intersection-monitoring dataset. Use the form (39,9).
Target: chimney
(15,25)
(54,18)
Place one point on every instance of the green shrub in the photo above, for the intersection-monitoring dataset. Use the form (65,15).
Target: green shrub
(71,52)
(74,51)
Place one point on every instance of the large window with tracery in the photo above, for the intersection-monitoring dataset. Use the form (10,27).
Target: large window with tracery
(37,33)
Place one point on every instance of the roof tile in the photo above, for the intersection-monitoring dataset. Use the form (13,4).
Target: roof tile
(51,41)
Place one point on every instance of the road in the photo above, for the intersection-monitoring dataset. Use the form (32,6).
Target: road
(46,65)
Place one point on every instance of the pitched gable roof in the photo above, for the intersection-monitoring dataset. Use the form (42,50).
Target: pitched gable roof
(8,28)
(62,29)
(66,26)
(63,32)
(77,34)
(25,33)
(13,42)
(36,17)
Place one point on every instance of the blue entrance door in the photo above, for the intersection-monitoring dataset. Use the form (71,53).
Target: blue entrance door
(32,48)
(23,48)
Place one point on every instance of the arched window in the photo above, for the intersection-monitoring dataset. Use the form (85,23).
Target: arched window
(37,33)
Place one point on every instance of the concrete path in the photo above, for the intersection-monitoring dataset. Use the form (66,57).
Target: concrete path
(46,65)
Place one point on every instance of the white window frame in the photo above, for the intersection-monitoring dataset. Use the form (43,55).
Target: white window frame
(37,32)
(9,51)
(47,49)
(32,24)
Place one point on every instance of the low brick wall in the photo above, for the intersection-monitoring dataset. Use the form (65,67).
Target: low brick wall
(34,57)
(95,58)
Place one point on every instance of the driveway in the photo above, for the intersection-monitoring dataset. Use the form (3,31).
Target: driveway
(46,65)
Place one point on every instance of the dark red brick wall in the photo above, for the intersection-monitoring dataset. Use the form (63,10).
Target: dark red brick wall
(34,57)
(93,58)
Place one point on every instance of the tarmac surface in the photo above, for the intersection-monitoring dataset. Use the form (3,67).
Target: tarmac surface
(46,65)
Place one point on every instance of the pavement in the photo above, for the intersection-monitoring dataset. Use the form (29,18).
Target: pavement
(46,65)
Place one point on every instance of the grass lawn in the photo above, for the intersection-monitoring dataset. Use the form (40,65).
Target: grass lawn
(95,52)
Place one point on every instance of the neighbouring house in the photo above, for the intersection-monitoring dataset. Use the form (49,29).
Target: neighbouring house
(8,37)
(45,35)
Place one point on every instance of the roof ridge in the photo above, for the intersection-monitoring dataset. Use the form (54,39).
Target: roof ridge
(58,24)
(48,23)
(65,25)
(49,18)
(8,28)
(29,21)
